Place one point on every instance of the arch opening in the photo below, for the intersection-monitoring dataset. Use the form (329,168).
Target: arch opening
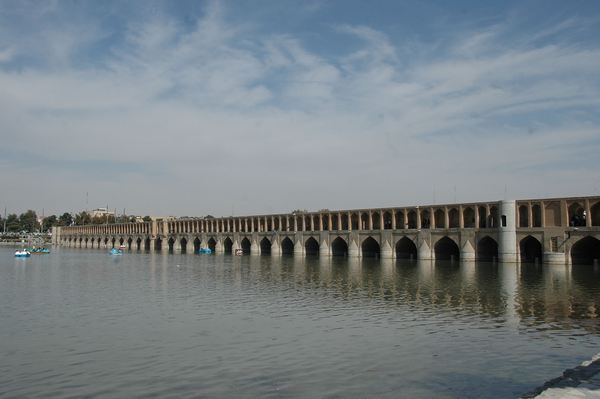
(576,215)
(586,251)
(595,214)
(287,246)
(530,249)
(523,216)
(412,220)
(339,247)
(370,248)
(158,244)
(228,245)
(536,215)
(487,249)
(425,219)
(171,243)
(245,245)
(212,244)
(406,249)
(469,217)
(387,220)
(446,249)
(453,218)
(265,246)
(197,244)
(311,247)
(440,219)
(183,242)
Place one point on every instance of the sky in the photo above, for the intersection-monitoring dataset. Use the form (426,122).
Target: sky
(189,108)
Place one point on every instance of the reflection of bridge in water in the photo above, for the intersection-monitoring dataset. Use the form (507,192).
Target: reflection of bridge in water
(556,230)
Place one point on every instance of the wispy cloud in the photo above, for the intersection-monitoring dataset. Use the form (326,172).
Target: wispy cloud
(212,100)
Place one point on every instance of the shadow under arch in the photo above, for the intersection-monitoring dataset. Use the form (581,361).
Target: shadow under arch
(530,249)
(586,251)
(246,245)
(487,249)
(287,246)
(446,249)
(339,247)
(228,245)
(406,249)
(370,248)
(265,246)
(311,247)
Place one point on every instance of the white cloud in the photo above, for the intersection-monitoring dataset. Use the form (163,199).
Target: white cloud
(203,116)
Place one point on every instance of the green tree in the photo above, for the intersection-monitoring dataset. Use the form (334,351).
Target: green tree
(99,220)
(29,221)
(65,219)
(83,218)
(12,223)
(147,219)
(49,222)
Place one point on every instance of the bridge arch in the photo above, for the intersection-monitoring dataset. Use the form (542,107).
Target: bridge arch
(446,249)
(406,249)
(370,248)
(468,217)
(246,245)
(387,220)
(228,245)
(355,221)
(481,213)
(265,246)
(453,218)
(197,244)
(487,249)
(148,244)
(530,249)
(212,244)
(129,242)
(139,243)
(412,219)
(287,246)
(425,219)
(536,215)
(586,251)
(595,214)
(339,247)
(183,243)
(171,243)
(376,221)
(158,244)
(523,216)
(440,217)
(311,247)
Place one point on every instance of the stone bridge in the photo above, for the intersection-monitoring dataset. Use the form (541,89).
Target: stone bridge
(552,230)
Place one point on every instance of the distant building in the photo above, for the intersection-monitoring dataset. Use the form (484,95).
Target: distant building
(101,212)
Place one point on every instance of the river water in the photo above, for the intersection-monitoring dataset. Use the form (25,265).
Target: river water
(82,323)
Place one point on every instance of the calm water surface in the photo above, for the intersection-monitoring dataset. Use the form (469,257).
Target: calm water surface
(80,323)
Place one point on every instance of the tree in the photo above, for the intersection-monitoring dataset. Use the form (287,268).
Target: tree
(83,218)
(49,222)
(12,223)
(147,219)
(65,219)
(28,221)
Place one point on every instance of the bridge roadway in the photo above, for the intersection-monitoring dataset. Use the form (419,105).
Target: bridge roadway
(552,230)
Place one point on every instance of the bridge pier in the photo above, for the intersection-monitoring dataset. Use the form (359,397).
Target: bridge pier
(254,247)
(507,238)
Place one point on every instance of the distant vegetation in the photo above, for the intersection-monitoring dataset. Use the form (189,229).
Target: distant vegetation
(28,221)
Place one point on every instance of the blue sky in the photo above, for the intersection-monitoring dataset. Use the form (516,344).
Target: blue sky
(220,107)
